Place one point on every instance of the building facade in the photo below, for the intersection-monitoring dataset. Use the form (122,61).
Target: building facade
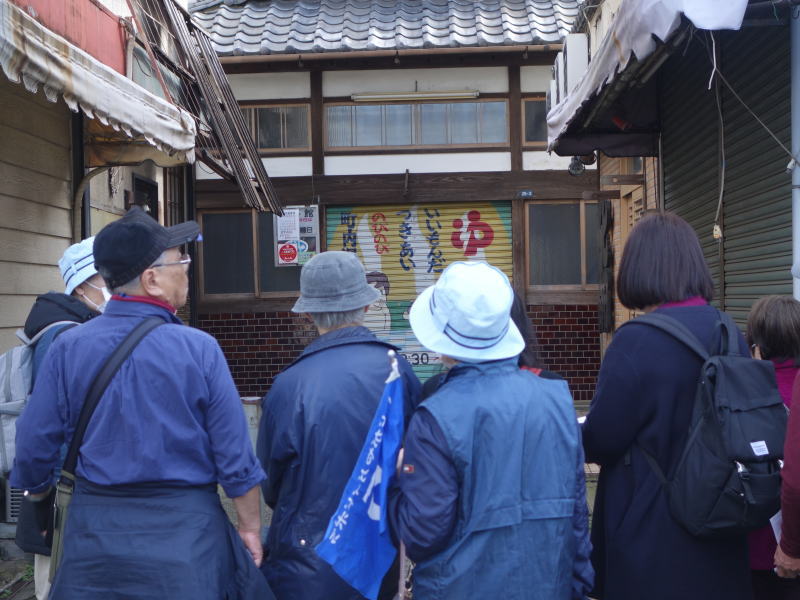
(413,136)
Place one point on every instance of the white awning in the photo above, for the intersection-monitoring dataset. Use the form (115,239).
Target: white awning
(127,113)
(633,33)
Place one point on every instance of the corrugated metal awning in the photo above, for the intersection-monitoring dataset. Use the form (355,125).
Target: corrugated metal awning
(590,118)
(37,57)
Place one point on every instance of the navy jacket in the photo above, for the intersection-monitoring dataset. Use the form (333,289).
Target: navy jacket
(491,500)
(314,422)
(645,392)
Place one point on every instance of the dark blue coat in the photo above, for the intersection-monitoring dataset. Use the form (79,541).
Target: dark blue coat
(314,422)
(645,392)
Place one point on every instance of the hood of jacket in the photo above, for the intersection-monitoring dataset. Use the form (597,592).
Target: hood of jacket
(54,306)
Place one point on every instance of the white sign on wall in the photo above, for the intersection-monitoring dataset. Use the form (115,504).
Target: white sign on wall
(296,235)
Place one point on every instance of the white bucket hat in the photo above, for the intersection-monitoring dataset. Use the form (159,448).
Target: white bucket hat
(77,264)
(466,315)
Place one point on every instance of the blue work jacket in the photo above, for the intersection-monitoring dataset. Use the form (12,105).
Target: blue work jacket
(513,519)
(171,413)
(314,423)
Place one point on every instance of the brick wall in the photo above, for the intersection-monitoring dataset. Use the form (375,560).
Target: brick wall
(259,345)
(570,346)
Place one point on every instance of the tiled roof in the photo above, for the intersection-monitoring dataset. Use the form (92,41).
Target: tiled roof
(239,27)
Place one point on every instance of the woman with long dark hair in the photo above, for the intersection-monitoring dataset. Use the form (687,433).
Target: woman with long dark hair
(643,402)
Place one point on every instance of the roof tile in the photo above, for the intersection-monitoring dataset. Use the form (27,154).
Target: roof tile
(241,27)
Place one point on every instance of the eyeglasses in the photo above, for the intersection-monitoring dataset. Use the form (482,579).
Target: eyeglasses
(185,259)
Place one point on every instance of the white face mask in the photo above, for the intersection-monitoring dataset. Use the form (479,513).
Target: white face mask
(106,297)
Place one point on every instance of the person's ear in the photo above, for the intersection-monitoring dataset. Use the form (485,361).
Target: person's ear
(149,281)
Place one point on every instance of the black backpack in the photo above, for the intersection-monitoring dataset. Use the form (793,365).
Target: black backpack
(727,480)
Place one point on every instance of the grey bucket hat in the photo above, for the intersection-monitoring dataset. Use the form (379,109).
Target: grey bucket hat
(334,281)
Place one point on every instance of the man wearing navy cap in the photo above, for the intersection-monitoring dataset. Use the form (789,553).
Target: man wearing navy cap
(145,520)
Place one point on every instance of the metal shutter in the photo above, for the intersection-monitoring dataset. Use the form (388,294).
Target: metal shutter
(689,147)
(757,207)
(405,247)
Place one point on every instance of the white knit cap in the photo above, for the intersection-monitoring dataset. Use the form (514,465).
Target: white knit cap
(77,264)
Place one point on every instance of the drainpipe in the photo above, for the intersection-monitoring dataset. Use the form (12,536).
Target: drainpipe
(795,78)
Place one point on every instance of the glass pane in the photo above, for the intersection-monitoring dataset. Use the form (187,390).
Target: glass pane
(555,244)
(269,127)
(494,123)
(593,242)
(296,126)
(248,114)
(464,123)
(636,164)
(270,277)
(227,253)
(433,123)
(535,121)
(339,124)
(399,126)
(369,124)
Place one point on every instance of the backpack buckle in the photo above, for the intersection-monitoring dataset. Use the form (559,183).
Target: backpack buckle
(740,468)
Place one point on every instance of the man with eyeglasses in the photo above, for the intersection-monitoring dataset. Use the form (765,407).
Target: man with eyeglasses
(145,520)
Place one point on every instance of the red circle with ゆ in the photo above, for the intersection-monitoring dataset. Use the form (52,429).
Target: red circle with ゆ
(288,253)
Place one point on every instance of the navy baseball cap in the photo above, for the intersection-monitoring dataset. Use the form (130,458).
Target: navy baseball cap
(125,248)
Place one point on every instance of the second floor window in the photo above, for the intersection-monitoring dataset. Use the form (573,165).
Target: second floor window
(535,115)
(412,125)
(276,128)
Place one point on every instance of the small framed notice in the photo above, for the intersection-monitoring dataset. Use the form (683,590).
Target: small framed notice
(296,235)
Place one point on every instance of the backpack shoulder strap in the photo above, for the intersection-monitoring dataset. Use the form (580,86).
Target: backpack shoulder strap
(730,334)
(98,387)
(674,328)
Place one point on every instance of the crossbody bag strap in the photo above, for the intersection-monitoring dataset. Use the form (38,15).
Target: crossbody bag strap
(98,387)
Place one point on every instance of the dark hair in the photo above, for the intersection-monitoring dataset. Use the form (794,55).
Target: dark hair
(529,357)
(662,262)
(380,280)
(774,325)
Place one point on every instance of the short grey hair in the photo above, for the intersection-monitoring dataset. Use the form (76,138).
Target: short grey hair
(335,320)
(130,287)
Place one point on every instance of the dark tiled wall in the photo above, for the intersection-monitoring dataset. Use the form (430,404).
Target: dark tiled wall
(259,345)
(570,345)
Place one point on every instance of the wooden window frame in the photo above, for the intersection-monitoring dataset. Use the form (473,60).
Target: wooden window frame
(257,294)
(252,123)
(332,150)
(583,293)
(526,145)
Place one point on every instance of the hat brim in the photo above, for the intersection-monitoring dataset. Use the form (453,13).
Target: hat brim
(182,233)
(364,297)
(429,334)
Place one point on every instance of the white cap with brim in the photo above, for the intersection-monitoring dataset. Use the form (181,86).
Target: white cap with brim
(77,264)
(466,315)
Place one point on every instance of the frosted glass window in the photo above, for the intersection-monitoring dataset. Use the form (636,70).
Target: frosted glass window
(369,126)
(464,123)
(433,124)
(340,127)
(399,125)
(494,123)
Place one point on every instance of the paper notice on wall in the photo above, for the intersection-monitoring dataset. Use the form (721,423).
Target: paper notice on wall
(287,227)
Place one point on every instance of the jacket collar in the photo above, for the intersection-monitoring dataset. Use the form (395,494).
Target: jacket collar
(132,308)
(465,369)
(341,337)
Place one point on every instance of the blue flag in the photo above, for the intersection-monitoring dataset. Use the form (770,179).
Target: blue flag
(357,543)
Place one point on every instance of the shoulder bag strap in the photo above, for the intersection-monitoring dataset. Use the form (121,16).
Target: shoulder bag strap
(99,386)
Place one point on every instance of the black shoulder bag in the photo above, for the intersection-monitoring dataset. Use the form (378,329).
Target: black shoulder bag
(66,483)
